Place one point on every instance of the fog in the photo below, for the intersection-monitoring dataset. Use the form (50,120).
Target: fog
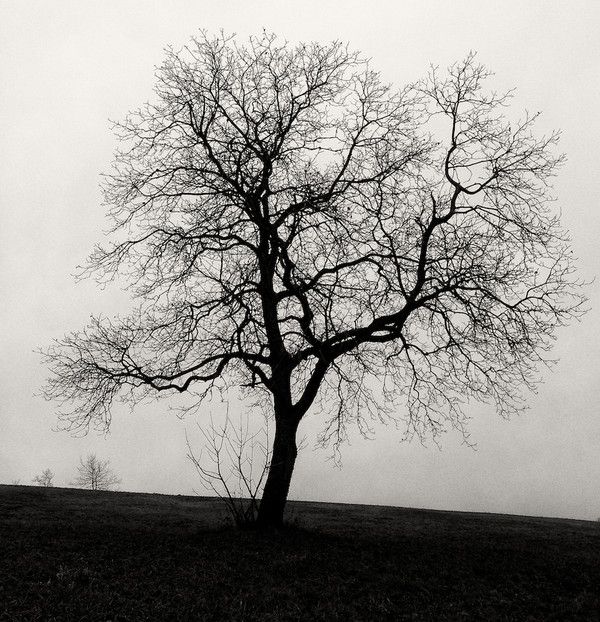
(68,67)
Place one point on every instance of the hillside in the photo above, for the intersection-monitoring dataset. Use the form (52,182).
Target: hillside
(78,555)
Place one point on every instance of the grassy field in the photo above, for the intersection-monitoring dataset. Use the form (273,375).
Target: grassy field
(78,555)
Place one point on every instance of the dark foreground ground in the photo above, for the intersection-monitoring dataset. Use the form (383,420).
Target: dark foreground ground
(78,555)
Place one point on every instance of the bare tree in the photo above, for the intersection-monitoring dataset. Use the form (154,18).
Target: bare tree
(95,474)
(46,478)
(293,226)
(234,465)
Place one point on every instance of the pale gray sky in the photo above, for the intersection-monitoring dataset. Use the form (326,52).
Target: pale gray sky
(67,67)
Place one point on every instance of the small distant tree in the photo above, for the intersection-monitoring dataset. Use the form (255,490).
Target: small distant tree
(46,479)
(95,474)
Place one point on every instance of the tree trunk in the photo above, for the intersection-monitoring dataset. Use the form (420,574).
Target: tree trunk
(270,512)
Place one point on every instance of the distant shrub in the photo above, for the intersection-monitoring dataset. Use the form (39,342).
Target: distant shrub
(95,474)
(45,479)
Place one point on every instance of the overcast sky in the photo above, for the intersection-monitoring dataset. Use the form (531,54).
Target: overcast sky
(68,67)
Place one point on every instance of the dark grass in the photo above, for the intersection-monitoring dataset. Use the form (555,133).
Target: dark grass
(77,555)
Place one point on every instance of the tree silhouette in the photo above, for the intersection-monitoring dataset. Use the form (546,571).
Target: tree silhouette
(95,474)
(293,226)
(46,478)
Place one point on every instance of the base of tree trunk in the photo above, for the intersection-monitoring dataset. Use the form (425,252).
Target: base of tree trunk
(272,504)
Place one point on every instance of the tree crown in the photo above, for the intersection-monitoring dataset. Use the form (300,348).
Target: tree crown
(294,226)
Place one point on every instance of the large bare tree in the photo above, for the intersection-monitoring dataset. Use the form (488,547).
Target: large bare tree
(294,226)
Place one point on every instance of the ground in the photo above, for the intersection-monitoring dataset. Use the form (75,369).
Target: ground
(69,554)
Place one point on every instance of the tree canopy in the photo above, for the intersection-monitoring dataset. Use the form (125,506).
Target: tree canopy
(292,225)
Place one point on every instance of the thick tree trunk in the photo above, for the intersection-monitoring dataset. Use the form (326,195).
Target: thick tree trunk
(272,505)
